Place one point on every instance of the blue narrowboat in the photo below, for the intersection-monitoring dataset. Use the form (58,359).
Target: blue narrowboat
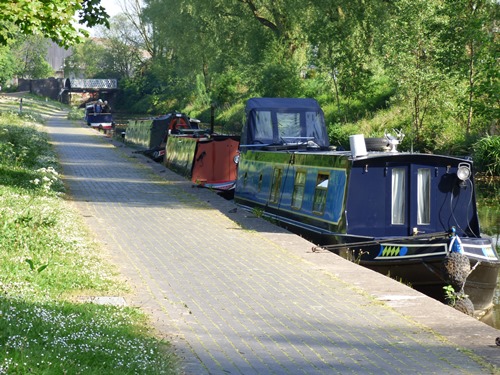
(401,214)
(97,116)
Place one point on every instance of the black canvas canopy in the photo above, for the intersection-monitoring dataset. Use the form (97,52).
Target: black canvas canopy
(282,121)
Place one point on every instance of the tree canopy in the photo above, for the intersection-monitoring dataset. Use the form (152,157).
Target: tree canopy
(54,19)
(428,67)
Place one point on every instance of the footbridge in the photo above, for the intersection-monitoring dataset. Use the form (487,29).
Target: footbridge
(71,90)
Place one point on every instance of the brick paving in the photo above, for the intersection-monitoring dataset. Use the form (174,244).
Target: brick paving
(237,295)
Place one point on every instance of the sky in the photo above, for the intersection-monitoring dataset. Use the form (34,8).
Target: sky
(112,7)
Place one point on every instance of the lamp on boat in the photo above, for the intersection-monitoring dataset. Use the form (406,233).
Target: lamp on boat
(463,171)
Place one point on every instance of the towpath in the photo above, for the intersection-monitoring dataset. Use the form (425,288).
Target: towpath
(237,295)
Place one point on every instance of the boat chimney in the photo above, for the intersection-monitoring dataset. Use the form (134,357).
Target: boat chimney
(358,145)
(212,118)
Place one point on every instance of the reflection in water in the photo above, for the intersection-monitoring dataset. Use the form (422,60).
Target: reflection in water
(493,317)
(488,202)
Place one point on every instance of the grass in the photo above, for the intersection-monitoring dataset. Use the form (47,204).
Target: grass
(48,262)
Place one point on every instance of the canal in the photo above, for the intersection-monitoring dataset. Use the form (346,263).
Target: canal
(488,201)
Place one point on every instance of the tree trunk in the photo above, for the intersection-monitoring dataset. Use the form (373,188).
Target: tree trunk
(471,87)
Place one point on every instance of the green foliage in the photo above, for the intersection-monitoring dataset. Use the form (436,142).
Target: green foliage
(76,113)
(52,19)
(231,119)
(49,266)
(426,67)
(30,52)
(87,60)
(279,80)
(228,88)
(7,65)
(59,338)
(468,51)
(487,155)
(21,146)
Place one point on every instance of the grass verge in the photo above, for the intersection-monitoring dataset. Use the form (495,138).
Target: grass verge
(47,261)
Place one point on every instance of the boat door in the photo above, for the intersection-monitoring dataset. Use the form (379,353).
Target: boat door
(411,193)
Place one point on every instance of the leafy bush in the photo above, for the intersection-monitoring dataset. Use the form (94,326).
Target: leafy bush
(76,113)
(232,119)
(21,145)
(487,155)
(339,135)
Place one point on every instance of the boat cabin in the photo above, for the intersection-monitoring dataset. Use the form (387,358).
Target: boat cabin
(398,213)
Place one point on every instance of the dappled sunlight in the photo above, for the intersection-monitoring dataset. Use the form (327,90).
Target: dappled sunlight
(83,144)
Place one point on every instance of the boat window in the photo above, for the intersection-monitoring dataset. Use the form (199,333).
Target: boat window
(398,196)
(298,189)
(315,125)
(245,178)
(275,187)
(263,126)
(288,126)
(424,196)
(319,202)
(259,186)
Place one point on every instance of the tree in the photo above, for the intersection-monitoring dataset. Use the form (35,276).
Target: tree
(86,60)
(470,47)
(7,65)
(53,19)
(282,17)
(124,52)
(410,49)
(30,52)
(341,35)
(201,41)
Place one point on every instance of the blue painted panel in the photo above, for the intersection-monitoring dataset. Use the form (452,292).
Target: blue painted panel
(366,202)
(254,164)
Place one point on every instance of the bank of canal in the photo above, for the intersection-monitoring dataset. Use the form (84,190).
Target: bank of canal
(488,201)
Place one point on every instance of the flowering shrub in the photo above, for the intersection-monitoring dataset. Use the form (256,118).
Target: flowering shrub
(49,177)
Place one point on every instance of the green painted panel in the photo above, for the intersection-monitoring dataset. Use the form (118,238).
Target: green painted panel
(180,154)
(139,132)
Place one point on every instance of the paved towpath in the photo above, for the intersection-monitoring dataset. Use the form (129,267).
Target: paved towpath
(237,295)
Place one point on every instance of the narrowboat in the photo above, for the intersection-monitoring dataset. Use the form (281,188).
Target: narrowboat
(402,214)
(208,160)
(97,116)
(151,134)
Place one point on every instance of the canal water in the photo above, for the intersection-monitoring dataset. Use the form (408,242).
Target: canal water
(488,201)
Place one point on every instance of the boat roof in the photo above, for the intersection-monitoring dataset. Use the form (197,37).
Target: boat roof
(377,156)
(282,104)
(284,121)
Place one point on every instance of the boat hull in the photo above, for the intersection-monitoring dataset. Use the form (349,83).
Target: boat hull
(427,275)
(99,120)
(418,263)
(208,162)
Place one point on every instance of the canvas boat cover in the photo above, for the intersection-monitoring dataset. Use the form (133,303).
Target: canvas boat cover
(284,121)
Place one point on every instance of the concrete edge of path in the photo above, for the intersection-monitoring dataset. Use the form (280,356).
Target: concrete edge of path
(465,332)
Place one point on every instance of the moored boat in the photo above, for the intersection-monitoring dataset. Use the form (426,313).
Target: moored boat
(96,117)
(150,134)
(401,214)
(208,160)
